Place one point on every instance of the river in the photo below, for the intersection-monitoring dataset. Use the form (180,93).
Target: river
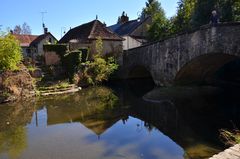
(123,120)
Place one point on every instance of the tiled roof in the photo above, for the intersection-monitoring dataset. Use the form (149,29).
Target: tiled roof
(90,31)
(25,40)
(40,38)
(127,28)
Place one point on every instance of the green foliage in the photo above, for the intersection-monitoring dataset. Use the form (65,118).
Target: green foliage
(228,10)
(71,63)
(190,14)
(202,12)
(31,68)
(60,49)
(230,138)
(99,70)
(10,52)
(152,7)
(182,21)
(13,141)
(59,85)
(160,26)
(99,46)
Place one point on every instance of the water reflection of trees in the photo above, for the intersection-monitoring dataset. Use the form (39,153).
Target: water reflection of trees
(97,108)
(14,118)
(13,141)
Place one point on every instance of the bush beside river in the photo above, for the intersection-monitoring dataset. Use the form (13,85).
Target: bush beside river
(15,85)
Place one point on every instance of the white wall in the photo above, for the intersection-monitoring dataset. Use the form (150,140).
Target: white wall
(130,42)
(41,43)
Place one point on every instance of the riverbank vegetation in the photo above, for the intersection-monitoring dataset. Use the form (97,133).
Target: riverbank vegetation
(15,80)
(230,138)
(190,15)
(10,52)
(91,68)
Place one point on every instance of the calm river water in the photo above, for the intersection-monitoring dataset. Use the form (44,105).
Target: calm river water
(131,120)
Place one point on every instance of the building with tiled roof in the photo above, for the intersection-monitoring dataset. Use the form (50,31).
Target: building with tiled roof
(32,45)
(134,32)
(25,40)
(85,36)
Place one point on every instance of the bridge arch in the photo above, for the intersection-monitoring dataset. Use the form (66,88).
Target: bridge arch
(198,55)
(139,71)
(210,68)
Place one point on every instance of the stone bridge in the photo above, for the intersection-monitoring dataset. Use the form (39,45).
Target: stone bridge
(200,56)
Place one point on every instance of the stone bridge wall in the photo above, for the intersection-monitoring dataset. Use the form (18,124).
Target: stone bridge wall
(165,58)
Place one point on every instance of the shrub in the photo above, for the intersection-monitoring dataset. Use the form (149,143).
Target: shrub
(99,70)
(71,63)
(60,49)
(10,52)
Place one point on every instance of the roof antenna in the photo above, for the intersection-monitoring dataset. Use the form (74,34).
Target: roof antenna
(43,25)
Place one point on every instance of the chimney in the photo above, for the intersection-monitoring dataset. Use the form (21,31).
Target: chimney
(123,19)
(45,30)
(104,24)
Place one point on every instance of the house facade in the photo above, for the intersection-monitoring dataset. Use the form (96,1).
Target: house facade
(32,45)
(134,32)
(85,36)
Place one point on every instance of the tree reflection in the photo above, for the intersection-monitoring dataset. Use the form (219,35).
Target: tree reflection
(13,141)
(14,118)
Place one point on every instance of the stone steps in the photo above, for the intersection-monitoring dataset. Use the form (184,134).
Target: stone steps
(56,87)
(60,92)
(46,91)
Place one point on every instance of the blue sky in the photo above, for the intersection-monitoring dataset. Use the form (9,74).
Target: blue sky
(70,13)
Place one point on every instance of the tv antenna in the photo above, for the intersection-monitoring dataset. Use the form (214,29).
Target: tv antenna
(43,16)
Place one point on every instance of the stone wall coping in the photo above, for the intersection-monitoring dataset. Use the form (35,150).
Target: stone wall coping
(203,27)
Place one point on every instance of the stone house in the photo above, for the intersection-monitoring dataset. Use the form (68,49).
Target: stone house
(85,36)
(32,45)
(134,32)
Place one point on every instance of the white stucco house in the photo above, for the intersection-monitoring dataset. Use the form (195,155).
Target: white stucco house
(32,45)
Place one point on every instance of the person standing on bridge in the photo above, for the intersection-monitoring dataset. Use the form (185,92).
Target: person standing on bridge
(214,19)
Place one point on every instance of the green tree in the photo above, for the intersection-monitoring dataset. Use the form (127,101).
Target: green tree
(229,10)
(202,12)
(10,52)
(160,26)
(99,46)
(182,21)
(99,69)
(152,7)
